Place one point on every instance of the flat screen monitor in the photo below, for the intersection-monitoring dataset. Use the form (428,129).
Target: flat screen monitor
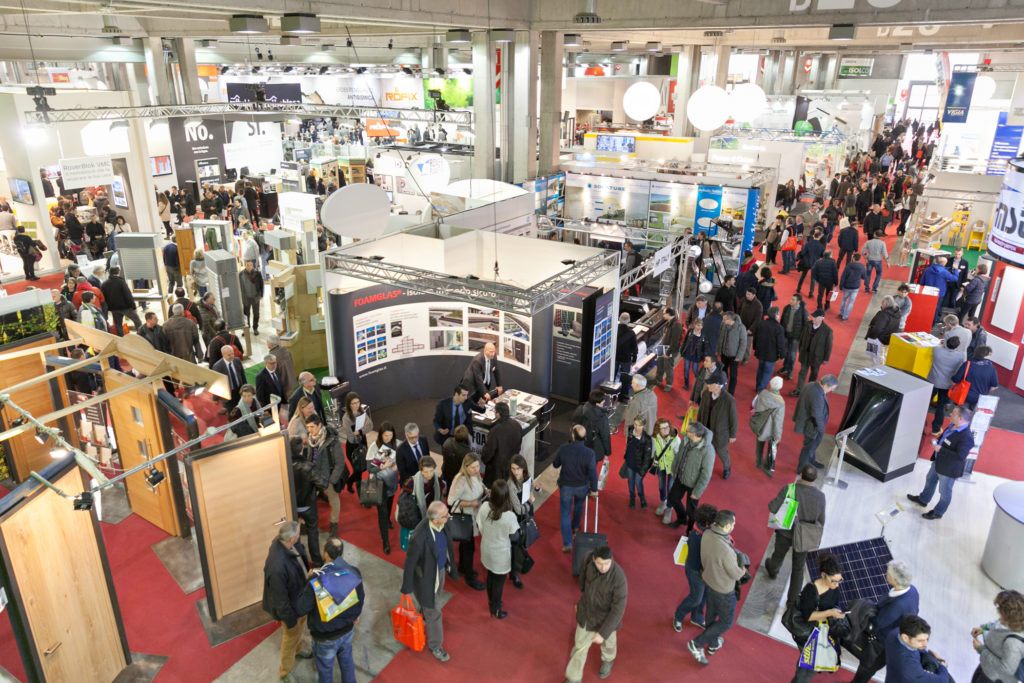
(160,165)
(119,192)
(616,143)
(21,190)
(303,154)
(208,169)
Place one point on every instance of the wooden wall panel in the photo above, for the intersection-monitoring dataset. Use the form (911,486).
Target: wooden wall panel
(53,554)
(240,492)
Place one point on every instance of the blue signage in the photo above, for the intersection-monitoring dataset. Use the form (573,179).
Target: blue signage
(958,99)
(709,208)
(750,219)
(1004,146)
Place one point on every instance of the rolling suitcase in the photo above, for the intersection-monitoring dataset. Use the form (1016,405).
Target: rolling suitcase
(583,543)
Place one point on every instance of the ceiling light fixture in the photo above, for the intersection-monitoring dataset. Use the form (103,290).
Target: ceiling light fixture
(290,40)
(300,23)
(391,44)
(248,24)
(619,45)
(458,35)
(654,46)
(573,40)
(503,35)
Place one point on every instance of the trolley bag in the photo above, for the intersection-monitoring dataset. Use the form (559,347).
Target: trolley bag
(584,543)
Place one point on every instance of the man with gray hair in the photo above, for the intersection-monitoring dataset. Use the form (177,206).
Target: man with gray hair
(310,388)
(285,364)
(901,601)
(410,451)
(644,402)
(284,578)
(182,335)
(429,557)
(811,417)
(268,381)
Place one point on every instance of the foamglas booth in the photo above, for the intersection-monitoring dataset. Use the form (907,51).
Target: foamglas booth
(407,313)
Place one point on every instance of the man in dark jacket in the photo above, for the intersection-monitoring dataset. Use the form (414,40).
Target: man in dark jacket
(885,322)
(310,388)
(251,283)
(805,535)
(793,320)
(726,294)
(504,439)
(980,372)
(284,578)
(268,381)
(751,312)
(670,354)
(849,240)
(182,335)
(745,281)
(598,612)
(153,332)
(625,353)
(815,349)
(452,412)
(120,301)
(979,337)
(332,640)
(853,276)
(810,418)
(809,255)
(410,452)
(769,347)
(906,650)
(429,557)
(330,472)
(232,369)
(826,274)
(959,266)
(938,276)
(483,375)
(577,479)
(974,292)
(717,412)
(713,325)
(873,221)
(591,415)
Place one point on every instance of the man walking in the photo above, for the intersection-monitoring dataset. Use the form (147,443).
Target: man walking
(250,282)
(826,275)
(182,335)
(332,640)
(598,613)
(284,579)
(732,346)
(644,402)
(285,364)
(670,349)
(875,253)
(722,569)
(429,557)
(692,468)
(853,275)
(948,462)
(717,412)
(794,320)
(805,535)
(815,349)
(576,480)
(849,240)
(811,418)
(120,301)
(769,347)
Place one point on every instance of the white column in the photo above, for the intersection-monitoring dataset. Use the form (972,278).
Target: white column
(551,46)
(686,82)
(722,53)
(188,70)
(484,110)
(160,85)
(519,120)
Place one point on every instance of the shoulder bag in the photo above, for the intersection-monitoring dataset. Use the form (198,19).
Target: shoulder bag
(460,524)
(958,392)
(785,517)
(758,420)
(371,492)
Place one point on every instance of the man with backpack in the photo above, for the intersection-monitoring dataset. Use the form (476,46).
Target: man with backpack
(592,416)
(332,635)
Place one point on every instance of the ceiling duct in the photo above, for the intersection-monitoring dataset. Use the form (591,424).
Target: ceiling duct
(589,13)
(109,25)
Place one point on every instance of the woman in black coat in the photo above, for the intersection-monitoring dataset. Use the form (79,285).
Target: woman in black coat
(637,460)
(26,248)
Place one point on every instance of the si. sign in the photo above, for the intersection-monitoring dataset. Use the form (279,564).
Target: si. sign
(834,5)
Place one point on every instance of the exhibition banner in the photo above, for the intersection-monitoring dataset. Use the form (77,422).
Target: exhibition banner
(378,128)
(402,93)
(855,67)
(282,93)
(958,100)
(1005,144)
(1016,113)
(620,199)
(709,208)
(1006,238)
(750,218)
(673,206)
(86,172)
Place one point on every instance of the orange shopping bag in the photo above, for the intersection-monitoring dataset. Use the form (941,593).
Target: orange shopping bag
(407,625)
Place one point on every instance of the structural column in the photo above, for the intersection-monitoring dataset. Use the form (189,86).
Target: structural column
(519,107)
(770,78)
(787,73)
(484,109)
(156,69)
(188,70)
(551,46)
(830,73)
(686,82)
(722,55)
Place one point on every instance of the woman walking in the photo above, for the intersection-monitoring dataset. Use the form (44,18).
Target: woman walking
(637,460)
(465,496)
(693,603)
(664,447)
(355,425)
(519,484)
(497,523)
(767,422)
(818,601)
(381,463)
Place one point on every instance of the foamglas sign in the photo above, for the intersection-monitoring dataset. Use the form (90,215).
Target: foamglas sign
(1006,239)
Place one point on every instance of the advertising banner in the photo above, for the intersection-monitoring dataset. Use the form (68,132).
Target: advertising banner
(1006,239)
(1016,113)
(402,93)
(1005,144)
(958,100)
(750,219)
(86,172)
(855,67)
(287,93)
(621,199)
(378,128)
(457,93)
(709,208)
(673,206)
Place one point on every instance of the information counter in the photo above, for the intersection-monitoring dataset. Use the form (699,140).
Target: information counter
(528,408)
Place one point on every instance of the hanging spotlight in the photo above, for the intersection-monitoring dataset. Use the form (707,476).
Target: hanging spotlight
(42,436)
(248,24)
(439,71)
(154,477)
(468,71)
(323,70)
(288,69)
(83,501)
(407,71)
(224,70)
(300,23)
(360,69)
(270,55)
(348,42)
(18,421)
(391,44)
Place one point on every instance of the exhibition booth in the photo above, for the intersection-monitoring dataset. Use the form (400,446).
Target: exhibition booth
(956,209)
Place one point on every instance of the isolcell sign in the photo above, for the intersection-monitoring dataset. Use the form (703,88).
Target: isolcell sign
(1006,239)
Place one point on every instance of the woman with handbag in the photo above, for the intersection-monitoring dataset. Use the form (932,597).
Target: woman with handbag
(497,523)
(520,478)
(464,498)
(767,421)
(355,437)
(381,464)
(818,602)
(637,460)
(1000,643)
(663,450)
(27,250)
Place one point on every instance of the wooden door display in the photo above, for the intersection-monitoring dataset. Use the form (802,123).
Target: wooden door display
(63,608)
(26,453)
(240,492)
(137,427)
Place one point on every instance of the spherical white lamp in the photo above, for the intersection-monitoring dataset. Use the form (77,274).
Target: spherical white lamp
(747,101)
(641,101)
(708,108)
(984,89)
(705,286)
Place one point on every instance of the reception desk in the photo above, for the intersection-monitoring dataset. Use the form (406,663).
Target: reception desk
(528,410)
(1003,564)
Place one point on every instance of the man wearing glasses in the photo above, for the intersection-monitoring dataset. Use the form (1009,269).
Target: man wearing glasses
(430,555)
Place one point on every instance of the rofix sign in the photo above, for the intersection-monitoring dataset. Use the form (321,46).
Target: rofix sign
(834,5)
(402,93)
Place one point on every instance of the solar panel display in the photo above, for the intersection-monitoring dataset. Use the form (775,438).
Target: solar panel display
(863,565)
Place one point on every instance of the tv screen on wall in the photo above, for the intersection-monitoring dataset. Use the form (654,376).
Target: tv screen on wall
(21,190)
(616,143)
(160,165)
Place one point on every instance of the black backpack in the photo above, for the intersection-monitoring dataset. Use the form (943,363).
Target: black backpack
(579,417)
(408,512)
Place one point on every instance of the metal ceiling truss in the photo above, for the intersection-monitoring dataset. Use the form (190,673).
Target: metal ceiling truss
(782,134)
(246,108)
(484,293)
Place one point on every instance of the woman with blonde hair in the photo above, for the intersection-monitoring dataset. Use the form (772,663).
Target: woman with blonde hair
(297,425)
(666,443)
(466,493)
(1001,643)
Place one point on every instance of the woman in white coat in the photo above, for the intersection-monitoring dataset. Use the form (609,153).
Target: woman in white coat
(497,523)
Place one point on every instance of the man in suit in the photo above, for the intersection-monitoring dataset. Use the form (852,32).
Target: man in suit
(717,412)
(805,535)
(230,367)
(268,381)
(948,462)
(429,557)
(410,452)
(483,376)
(452,412)
(309,387)
(906,650)
(504,439)
(814,349)
(285,364)
(811,417)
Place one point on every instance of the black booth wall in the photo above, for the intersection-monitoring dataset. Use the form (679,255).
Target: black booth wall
(430,375)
